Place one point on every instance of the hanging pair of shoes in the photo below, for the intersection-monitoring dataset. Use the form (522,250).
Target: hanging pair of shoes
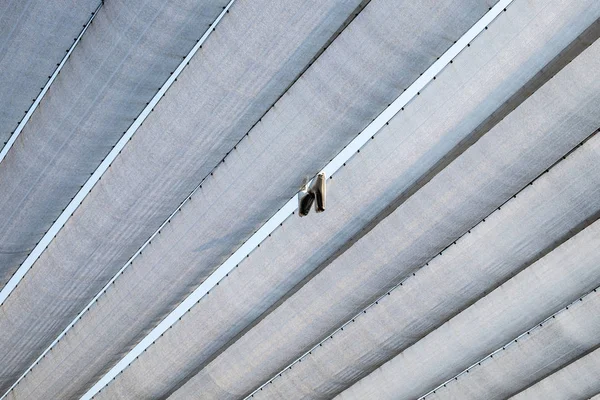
(315,193)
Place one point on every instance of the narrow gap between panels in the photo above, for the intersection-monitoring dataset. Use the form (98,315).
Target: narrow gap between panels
(538,80)
(289,208)
(38,99)
(514,341)
(106,163)
(412,274)
(557,370)
(85,190)
(143,115)
(552,68)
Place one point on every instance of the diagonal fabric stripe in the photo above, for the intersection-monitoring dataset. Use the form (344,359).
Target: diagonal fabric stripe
(298,41)
(34,37)
(578,380)
(286,175)
(540,131)
(545,348)
(128,52)
(527,228)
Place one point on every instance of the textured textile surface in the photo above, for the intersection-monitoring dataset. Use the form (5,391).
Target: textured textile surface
(331,97)
(126,54)
(525,228)
(35,35)
(228,85)
(326,112)
(578,380)
(457,257)
(524,144)
(561,340)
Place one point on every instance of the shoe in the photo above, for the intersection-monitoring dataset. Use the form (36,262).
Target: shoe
(305,201)
(319,190)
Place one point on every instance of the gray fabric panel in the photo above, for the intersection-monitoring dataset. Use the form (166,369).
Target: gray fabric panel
(558,342)
(339,94)
(399,155)
(509,240)
(34,37)
(530,139)
(126,54)
(124,57)
(110,213)
(95,243)
(577,381)
(539,216)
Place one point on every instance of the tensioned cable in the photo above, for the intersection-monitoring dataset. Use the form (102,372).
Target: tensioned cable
(38,99)
(261,234)
(85,190)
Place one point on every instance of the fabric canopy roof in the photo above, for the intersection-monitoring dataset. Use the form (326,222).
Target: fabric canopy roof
(34,37)
(456,258)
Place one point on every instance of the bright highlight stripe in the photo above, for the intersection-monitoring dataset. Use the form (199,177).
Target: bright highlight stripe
(85,190)
(287,210)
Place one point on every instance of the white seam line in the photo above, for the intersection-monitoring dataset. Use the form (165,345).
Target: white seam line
(286,211)
(38,99)
(411,275)
(408,278)
(95,177)
(397,105)
(507,345)
(84,191)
